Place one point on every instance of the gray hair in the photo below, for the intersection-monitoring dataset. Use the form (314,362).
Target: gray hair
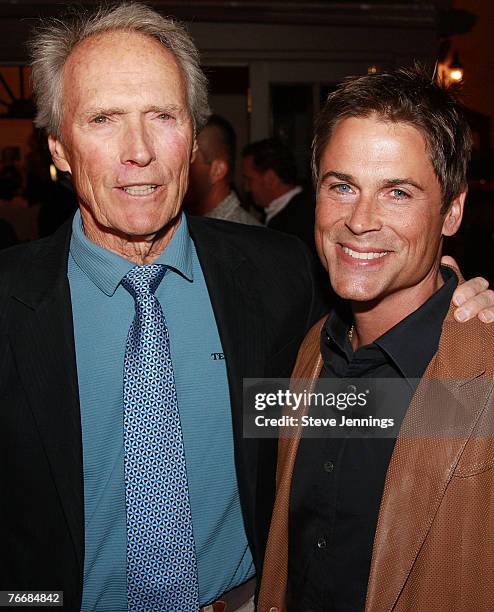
(56,38)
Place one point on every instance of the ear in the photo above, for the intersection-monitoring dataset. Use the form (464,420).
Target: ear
(453,217)
(218,170)
(194,151)
(58,154)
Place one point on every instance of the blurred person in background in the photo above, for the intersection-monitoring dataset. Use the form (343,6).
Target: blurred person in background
(269,174)
(211,192)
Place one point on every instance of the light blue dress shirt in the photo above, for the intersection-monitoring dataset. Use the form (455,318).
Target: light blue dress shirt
(102,312)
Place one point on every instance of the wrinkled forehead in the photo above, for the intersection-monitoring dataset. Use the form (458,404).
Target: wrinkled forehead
(110,62)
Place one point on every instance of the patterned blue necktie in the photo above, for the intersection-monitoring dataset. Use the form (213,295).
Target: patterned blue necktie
(161,559)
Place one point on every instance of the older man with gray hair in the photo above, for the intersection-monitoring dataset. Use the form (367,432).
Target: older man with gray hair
(126,483)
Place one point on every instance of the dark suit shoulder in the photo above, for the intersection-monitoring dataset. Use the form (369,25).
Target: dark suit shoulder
(15,256)
(21,254)
(30,270)
(281,266)
(256,243)
(297,218)
(14,263)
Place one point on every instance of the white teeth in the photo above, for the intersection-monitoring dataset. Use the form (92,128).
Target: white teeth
(369,255)
(140,189)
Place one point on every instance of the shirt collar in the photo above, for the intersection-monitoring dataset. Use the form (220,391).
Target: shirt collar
(106,269)
(412,342)
(419,333)
(279,204)
(338,325)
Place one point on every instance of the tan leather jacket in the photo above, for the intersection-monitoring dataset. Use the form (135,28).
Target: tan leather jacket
(434,544)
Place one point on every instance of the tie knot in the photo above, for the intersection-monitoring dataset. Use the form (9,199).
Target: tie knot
(143,280)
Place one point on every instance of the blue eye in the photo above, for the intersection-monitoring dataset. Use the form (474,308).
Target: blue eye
(399,194)
(343,188)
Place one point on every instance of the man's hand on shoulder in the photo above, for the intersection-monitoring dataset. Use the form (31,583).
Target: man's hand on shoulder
(473,297)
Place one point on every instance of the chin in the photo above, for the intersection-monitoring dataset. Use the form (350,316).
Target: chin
(355,291)
(354,296)
(145,225)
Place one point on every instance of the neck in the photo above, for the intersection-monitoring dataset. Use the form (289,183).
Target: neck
(374,318)
(216,195)
(141,250)
(207,203)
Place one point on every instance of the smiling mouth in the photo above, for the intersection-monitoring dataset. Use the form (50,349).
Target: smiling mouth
(140,190)
(364,255)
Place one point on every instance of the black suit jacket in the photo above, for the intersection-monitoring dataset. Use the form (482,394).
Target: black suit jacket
(297,218)
(264,297)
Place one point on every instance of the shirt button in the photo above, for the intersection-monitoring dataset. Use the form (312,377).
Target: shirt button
(328,466)
(351,389)
(321,543)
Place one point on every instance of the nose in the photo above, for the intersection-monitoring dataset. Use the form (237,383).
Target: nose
(364,216)
(137,144)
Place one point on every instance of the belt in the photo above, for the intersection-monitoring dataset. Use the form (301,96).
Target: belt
(234,599)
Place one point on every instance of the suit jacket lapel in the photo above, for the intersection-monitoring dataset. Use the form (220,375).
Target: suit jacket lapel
(41,332)
(424,460)
(273,591)
(237,306)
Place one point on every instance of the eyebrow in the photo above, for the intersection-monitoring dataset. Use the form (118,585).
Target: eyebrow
(339,175)
(168,108)
(348,178)
(402,181)
(94,112)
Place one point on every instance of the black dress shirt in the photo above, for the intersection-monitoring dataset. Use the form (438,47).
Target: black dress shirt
(338,481)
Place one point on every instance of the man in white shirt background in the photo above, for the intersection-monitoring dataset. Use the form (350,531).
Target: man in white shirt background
(269,172)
